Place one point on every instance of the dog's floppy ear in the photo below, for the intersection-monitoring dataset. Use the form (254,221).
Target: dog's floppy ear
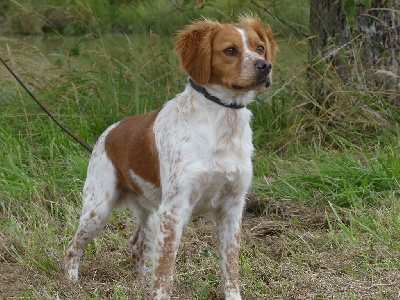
(193,48)
(265,33)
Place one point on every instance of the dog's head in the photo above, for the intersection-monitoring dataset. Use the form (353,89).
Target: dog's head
(239,56)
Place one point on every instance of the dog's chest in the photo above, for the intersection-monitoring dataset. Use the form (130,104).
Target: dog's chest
(226,153)
(219,140)
(207,150)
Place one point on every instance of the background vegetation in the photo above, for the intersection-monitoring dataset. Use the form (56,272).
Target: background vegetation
(125,16)
(323,215)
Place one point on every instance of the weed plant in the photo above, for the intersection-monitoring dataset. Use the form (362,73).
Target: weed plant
(341,159)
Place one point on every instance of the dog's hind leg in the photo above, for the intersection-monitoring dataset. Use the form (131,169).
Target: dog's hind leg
(137,250)
(99,197)
(129,199)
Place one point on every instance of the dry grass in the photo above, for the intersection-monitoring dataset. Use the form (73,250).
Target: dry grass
(287,253)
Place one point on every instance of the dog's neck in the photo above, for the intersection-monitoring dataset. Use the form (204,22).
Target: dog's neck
(229,96)
(224,96)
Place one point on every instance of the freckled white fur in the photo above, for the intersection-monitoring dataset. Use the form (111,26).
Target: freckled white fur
(219,139)
(206,157)
(99,169)
(99,196)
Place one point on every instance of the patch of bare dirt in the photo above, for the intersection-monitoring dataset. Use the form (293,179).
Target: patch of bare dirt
(290,213)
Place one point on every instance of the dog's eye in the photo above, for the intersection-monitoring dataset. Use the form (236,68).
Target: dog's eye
(231,51)
(260,50)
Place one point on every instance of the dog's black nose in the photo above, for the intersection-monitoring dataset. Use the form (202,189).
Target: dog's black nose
(263,66)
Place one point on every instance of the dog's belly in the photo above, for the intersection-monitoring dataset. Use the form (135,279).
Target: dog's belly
(219,185)
(220,188)
(209,200)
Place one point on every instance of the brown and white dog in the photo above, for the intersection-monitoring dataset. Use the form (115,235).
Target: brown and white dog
(190,157)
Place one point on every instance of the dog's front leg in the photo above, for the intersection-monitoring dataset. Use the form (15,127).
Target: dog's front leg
(167,227)
(229,230)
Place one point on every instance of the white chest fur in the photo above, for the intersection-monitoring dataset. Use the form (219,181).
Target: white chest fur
(202,142)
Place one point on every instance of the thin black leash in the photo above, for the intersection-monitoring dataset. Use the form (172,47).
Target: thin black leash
(84,144)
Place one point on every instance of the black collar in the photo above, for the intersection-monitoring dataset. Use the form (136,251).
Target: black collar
(206,94)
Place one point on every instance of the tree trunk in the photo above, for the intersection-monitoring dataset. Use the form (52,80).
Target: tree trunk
(361,43)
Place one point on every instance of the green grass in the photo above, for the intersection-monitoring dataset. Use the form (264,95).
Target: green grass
(331,176)
(348,177)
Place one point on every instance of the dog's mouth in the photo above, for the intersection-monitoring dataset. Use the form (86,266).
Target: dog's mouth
(259,84)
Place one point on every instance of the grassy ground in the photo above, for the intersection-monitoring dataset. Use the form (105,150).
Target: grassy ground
(322,219)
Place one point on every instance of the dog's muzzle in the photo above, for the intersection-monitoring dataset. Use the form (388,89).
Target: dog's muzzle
(263,70)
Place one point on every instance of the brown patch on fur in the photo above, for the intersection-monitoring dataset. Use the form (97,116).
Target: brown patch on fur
(226,69)
(71,254)
(131,146)
(193,48)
